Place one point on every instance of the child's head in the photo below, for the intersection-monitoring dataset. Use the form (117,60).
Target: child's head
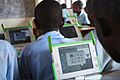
(106,17)
(77,6)
(63,6)
(48,16)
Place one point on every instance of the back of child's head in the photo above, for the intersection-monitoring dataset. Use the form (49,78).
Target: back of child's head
(63,6)
(48,15)
(106,17)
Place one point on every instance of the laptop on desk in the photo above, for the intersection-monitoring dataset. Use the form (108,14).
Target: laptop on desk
(73,60)
(71,31)
(2,36)
(19,37)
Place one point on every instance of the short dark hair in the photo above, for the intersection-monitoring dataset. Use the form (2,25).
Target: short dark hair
(48,15)
(63,6)
(106,16)
(78,3)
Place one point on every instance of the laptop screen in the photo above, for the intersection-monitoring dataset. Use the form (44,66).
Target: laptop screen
(68,32)
(75,58)
(18,36)
(72,32)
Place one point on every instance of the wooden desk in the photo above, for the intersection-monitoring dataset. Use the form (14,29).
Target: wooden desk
(86,30)
(113,75)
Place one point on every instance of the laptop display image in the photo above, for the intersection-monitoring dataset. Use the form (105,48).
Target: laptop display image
(19,36)
(73,58)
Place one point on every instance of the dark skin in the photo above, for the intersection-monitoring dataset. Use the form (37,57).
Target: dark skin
(106,18)
(40,32)
(77,10)
(35,31)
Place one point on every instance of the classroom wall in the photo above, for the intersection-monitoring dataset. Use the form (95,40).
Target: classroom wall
(38,1)
(16,12)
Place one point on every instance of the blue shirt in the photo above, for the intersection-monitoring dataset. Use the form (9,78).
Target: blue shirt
(36,61)
(8,62)
(83,18)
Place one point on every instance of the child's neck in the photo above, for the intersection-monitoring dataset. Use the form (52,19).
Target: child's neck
(78,13)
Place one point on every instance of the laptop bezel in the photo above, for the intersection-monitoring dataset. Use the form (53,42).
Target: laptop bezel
(58,67)
(79,34)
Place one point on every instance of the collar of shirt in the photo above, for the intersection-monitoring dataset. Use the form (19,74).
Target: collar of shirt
(53,34)
(81,12)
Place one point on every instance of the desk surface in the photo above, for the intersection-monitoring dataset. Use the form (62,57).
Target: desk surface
(86,30)
(113,75)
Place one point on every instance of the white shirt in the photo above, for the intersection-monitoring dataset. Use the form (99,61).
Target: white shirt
(83,18)
(8,62)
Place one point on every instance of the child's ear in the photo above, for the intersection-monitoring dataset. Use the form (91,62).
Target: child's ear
(35,32)
(35,23)
(62,23)
(34,29)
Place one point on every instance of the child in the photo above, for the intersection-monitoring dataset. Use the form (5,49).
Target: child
(8,62)
(81,15)
(105,14)
(36,61)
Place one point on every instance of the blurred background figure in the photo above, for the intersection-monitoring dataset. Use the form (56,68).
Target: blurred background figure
(8,62)
(65,13)
(80,13)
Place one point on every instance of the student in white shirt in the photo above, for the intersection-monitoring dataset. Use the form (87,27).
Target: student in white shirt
(8,62)
(81,14)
